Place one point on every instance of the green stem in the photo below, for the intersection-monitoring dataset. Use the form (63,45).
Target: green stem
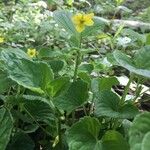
(92,105)
(59,132)
(138,90)
(76,65)
(77,62)
(127,88)
(85,112)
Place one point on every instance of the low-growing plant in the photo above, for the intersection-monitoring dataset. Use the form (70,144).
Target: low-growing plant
(64,100)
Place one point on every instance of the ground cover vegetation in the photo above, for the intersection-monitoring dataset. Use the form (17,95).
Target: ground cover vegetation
(74,75)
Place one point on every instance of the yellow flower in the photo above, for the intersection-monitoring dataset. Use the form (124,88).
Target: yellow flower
(82,20)
(32,52)
(1,40)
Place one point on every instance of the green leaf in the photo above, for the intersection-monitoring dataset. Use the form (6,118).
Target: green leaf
(113,140)
(6,125)
(95,85)
(49,54)
(139,132)
(30,128)
(39,108)
(13,53)
(124,129)
(56,65)
(74,97)
(58,85)
(85,77)
(145,142)
(106,83)
(86,68)
(21,141)
(148,39)
(50,2)
(83,135)
(70,2)
(63,18)
(4,82)
(108,104)
(139,64)
(135,36)
(119,2)
(142,57)
(111,59)
(74,42)
(32,75)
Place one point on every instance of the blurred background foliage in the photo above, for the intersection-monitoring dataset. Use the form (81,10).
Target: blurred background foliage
(29,23)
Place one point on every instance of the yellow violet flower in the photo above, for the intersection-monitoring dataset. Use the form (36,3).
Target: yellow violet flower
(82,20)
(32,52)
(1,40)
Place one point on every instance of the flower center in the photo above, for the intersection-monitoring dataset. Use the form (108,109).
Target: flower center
(31,53)
(82,21)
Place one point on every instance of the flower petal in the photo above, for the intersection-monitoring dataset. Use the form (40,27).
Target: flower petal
(76,19)
(1,40)
(80,28)
(88,19)
(91,15)
(89,22)
(31,52)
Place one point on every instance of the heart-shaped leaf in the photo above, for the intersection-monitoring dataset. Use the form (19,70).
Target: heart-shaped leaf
(74,97)
(56,65)
(104,83)
(85,77)
(6,125)
(108,104)
(4,82)
(41,109)
(32,75)
(86,67)
(83,135)
(21,141)
(63,18)
(139,64)
(139,133)
(145,142)
(113,140)
(57,86)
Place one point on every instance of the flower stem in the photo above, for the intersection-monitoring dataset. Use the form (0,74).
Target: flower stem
(77,62)
(127,88)
(76,65)
(75,78)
